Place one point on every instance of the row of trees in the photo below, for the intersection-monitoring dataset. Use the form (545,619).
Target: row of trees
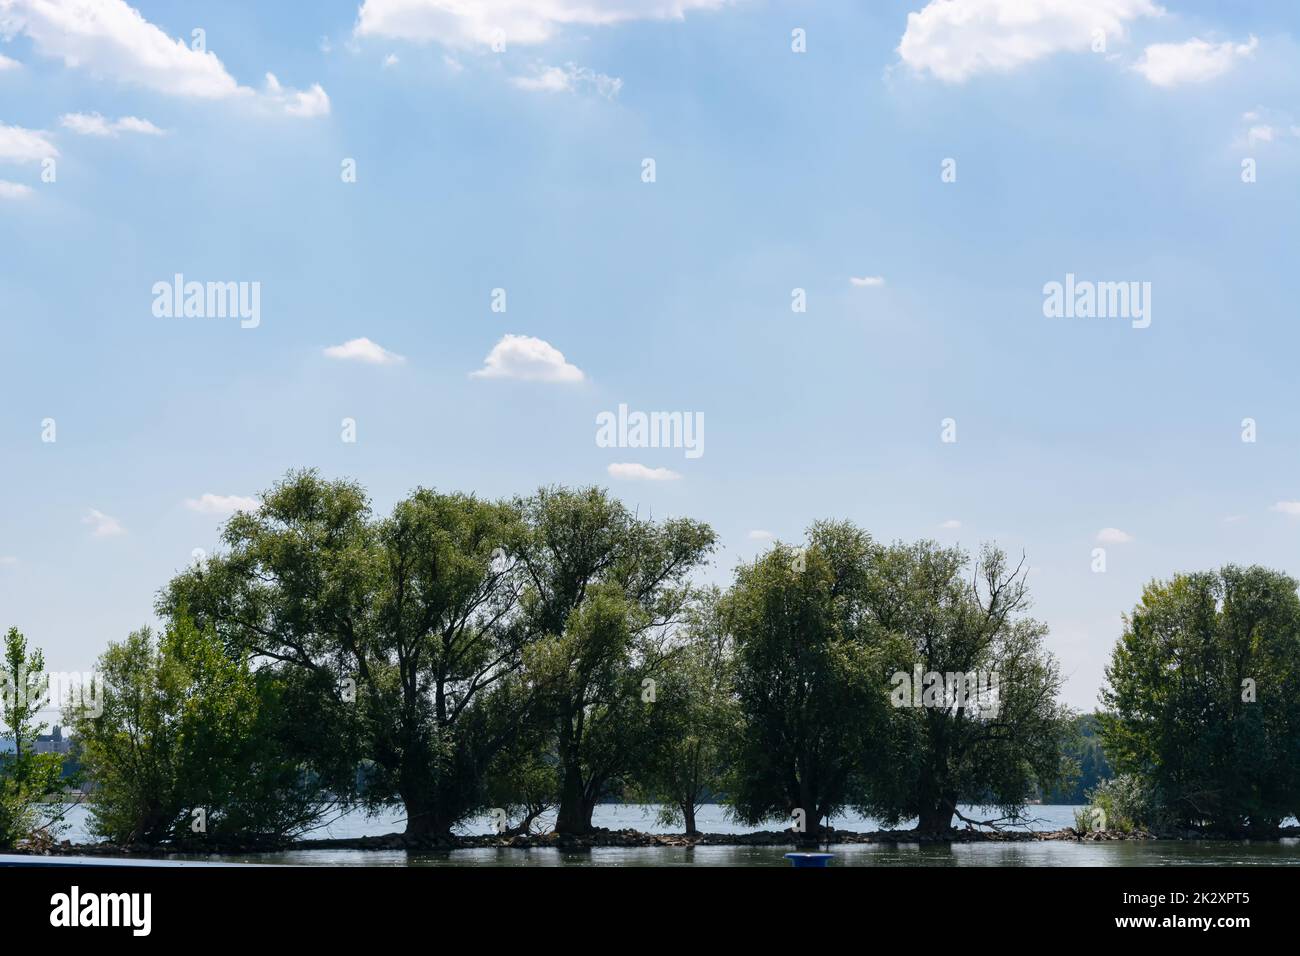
(552,651)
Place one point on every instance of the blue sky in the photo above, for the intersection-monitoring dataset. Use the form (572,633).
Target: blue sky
(521,169)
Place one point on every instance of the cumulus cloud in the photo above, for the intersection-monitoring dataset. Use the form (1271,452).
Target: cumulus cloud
(631,471)
(10,190)
(18,145)
(210,504)
(867,282)
(111,39)
(1113,536)
(957,39)
(758,534)
(303,103)
(102,525)
(93,124)
(1193,61)
(466,23)
(1288,507)
(569,79)
(6,63)
(364,350)
(1268,126)
(527,358)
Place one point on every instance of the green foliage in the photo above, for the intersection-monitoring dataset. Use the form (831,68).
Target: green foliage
(604,594)
(1126,803)
(809,679)
(1088,763)
(185,726)
(26,777)
(1204,698)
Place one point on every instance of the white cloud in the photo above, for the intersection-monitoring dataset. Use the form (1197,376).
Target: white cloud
(867,282)
(1268,126)
(7,63)
(527,358)
(18,145)
(452,64)
(391,60)
(759,534)
(1288,507)
(1194,61)
(111,39)
(952,524)
(302,103)
(1113,536)
(554,79)
(92,124)
(957,39)
(211,504)
(10,190)
(7,561)
(634,472)
(104,526)
(364,350)
(463,23)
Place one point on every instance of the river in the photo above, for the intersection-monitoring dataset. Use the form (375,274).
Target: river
(712,819)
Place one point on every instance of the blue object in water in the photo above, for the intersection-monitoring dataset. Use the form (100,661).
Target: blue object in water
(809,859)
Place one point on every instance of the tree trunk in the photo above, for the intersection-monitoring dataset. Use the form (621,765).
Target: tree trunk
(937,817)
(688,813)
(424,817)
(573,817)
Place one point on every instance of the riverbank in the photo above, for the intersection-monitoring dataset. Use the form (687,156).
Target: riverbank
(600,839)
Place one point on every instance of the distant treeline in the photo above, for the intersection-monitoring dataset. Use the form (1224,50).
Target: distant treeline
(464,656)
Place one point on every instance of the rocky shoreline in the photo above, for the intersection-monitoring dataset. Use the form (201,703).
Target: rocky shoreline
(624,838)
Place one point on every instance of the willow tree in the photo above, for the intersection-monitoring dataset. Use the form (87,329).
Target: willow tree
(398,629)
(1203,698)
(809,678)
(604,592)
(974,718)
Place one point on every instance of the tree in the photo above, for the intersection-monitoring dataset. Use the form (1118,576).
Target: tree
(1203,690)
(26,777)
(604,593)
(975,718)
(405,626)
(809,678)
(692,757)
(186,748)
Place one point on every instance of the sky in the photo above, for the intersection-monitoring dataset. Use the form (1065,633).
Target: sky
(473,227)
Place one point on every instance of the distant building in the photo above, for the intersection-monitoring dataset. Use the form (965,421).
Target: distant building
(53,743)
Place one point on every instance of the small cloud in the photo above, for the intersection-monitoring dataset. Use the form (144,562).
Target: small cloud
(364,350)
(1233,519)
(634,472)
(452,64)
(18,145)
(8,64)
(952,524)
(1113,536)
(867,282)
(1267,126)
(568,79)
(8,561)
(302,103)
(210,504)
(325,46)
(1288,507)
(93,124)
(10,190)
(103,526)
(1193,61)
(529,359)
(391,60)
(758,534)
